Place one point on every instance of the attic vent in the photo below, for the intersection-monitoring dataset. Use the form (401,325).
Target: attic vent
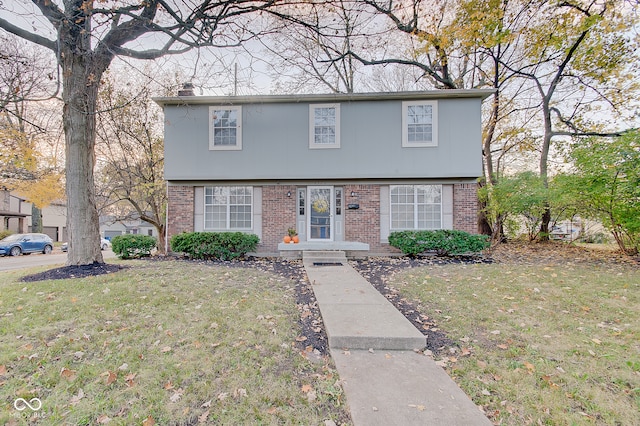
(187,90)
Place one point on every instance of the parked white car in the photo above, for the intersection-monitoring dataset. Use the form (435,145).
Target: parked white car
(104,245)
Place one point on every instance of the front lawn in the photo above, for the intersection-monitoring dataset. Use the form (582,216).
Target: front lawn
(166,343)
(539,342)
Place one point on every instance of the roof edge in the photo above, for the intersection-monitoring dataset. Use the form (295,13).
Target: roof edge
(326,97)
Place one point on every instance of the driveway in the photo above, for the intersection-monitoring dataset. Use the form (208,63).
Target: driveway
(57,258)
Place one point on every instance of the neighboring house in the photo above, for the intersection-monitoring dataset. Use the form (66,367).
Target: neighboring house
(111,227)
(15,213)
(344,170)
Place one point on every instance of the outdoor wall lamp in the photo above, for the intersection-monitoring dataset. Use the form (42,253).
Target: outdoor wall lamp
(289,194)
(353,193)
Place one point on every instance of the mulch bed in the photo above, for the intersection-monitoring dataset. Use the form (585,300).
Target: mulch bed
(378,271)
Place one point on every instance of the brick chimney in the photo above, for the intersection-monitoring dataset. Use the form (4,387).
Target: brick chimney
(187,90)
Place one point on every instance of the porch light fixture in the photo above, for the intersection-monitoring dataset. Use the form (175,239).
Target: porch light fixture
(353,193)
(289,194)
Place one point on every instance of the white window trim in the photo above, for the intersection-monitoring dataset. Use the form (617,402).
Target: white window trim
(312,144)
(238,145)
(415,210)
(228,215)
(405,125)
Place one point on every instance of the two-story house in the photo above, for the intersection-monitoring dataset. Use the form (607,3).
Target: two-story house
(344,170)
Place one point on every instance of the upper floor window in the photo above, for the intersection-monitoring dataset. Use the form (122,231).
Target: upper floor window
(228,207)
(416,207)
(419,124)
(225,127)
(324,126)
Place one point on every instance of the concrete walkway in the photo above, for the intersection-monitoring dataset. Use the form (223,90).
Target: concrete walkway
(372,344)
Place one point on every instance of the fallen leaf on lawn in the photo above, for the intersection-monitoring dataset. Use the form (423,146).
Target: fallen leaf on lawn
(547,378)
(197,344)
(306,388)
(501,346)
(311,396)
(176,395)
(103,419)
(124,367)
(68,374)
(76,398)
(529,366)
(496,332)
(466,352)
(129,379)
(111,377)
(165,349)
(148,421)
(240,393)
(586,308)
(3,370)
(203,417)
(206,404)
(596,341)
(301,338)
(222,396)
(272,410)
(485,392)
(482,364)
(168,385)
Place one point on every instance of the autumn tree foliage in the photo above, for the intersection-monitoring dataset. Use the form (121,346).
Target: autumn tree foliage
(85,37)
(28,137)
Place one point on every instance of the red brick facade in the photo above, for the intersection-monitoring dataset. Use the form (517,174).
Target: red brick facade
(363,225)
(360,225)
(465,207)
(180,212)
(278,215)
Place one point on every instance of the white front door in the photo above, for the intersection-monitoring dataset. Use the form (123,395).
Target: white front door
(320,217)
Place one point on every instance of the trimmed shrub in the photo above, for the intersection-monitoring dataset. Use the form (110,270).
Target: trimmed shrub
(5,234)
(214,245)
(131,245)
(444,242)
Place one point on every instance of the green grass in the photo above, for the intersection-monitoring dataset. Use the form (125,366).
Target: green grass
(166,342)
(539,345)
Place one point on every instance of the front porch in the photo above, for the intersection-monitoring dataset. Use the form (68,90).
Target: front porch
(353,249)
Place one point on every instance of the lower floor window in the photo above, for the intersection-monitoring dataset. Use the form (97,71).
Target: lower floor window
(228,207)
(416,207)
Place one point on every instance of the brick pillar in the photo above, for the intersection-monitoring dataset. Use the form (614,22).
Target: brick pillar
(180,212)
(278,215)
(363,225)
(465,207)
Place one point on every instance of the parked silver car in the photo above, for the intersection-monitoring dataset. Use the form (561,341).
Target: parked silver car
(17,244)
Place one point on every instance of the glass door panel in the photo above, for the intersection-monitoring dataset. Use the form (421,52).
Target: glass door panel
(320,213)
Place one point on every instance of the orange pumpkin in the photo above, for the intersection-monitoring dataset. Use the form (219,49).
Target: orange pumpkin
(295,239)
(287,239)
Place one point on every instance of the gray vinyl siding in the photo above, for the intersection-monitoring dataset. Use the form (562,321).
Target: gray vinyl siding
(275,144)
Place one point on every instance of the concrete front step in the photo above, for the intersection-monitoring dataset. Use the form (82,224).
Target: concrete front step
(324,257)
(356,315)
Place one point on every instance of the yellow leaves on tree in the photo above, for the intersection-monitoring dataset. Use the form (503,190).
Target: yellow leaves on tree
(42,191)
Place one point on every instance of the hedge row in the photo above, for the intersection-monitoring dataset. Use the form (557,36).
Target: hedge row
(214,245)
(444,242)
(132,245)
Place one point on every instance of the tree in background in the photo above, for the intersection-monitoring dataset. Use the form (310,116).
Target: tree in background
(85,37)
(28,163)
(605,185)
(130,148)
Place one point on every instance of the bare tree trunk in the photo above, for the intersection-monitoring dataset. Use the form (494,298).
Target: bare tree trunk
(80,89)
(544,167)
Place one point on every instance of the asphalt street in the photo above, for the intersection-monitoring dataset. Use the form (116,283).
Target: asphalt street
(57,258)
